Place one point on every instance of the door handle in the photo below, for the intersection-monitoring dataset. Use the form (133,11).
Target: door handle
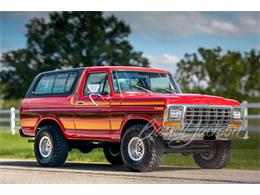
(80,102)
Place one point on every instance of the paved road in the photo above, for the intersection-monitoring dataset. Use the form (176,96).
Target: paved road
(25,171)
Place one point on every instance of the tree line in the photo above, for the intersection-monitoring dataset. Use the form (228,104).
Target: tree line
(230,74)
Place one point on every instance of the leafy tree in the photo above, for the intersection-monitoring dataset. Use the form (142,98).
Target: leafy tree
(68,39)
(230,74)
(17,74)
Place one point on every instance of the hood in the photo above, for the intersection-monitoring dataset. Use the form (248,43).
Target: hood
(201,99)
(181,98)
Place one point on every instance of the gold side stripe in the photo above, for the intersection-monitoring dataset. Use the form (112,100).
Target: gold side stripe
(143,103)
(123,104)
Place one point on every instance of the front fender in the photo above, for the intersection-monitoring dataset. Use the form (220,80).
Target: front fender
(154,121)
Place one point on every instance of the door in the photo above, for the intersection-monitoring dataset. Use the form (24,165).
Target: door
(92,108)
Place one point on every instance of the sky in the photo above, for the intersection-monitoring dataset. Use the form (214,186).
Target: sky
(163,37)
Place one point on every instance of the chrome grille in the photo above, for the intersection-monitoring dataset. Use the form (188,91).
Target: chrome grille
(201,117)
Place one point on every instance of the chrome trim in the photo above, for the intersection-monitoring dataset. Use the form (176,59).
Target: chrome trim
(182,110)
(45,146)
(209,117)
(136,149)
(166,112)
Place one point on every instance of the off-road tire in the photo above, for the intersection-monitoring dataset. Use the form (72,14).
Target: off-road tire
(113,154)
(153,145)
(222,156)
(60,147)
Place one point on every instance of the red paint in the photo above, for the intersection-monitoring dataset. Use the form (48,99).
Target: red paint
(105,122)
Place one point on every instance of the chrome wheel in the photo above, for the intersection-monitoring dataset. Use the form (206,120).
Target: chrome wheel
(136,149)
(45,146)
(208,155)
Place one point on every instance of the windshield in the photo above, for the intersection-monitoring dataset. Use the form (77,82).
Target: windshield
(148,82)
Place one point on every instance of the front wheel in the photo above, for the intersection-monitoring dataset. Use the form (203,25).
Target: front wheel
(216,158)
(141,150)
(50,147)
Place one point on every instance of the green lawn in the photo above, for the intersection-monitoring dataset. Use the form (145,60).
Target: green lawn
(246,153)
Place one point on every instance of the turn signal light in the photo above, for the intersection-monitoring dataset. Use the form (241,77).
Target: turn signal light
(235,124)
(172,124)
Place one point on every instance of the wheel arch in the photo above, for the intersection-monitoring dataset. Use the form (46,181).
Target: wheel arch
(49,121)
(137,120)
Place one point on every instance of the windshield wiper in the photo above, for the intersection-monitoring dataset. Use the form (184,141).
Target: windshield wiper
(139,87)
(168,90)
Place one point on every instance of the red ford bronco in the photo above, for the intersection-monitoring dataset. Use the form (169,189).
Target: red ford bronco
(135,114)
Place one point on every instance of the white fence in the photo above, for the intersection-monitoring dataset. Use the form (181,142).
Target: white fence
(11,118)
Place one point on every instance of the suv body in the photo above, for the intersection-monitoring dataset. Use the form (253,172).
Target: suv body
(136,115)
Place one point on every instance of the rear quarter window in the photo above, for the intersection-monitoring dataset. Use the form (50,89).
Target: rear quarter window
(60,83)
(45,85)
(70,81)
(55,84)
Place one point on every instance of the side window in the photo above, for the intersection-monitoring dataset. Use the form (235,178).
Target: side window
(115,83)
(56,84)
(106,89)
(70,81)
(97,83)
(60,82)
(45,85)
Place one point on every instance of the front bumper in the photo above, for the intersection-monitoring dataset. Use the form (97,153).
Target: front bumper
(194,146)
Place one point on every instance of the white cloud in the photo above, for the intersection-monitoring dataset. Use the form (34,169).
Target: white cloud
(165,61)
(257,46)
(169,59)
(223,26)
(172,24)
(249,22)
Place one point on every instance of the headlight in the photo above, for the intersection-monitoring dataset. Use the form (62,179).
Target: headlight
(175,113)
(237,113)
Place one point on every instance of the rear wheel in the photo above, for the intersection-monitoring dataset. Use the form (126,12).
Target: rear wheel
(50,147)
(113,154)
(141,150)
(216,158)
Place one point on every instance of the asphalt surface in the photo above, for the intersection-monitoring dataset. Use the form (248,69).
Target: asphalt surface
(28,171)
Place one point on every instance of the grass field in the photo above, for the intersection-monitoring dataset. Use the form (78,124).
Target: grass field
(246,153)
